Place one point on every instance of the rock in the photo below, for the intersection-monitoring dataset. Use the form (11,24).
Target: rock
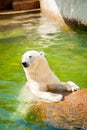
(69,113)
(4,4)
(25,4)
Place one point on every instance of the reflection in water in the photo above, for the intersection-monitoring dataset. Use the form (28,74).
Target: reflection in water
(47,27)
(66,53)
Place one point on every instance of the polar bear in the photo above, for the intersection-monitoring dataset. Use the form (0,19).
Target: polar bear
(41,81)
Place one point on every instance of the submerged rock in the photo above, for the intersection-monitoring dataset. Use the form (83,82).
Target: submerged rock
(69,113)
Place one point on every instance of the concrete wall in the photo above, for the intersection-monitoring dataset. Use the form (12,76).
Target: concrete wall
(72,11)
(51,6)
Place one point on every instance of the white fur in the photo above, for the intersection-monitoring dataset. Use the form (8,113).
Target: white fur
(40,78)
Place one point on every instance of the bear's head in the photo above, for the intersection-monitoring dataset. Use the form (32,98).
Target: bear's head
(34,63)
(30,58)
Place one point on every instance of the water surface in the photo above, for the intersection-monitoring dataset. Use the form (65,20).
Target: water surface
(66,52)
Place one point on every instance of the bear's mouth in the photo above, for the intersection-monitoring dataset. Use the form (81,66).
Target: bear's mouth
(25,64)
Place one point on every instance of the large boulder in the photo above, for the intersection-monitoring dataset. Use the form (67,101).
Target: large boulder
(69,113)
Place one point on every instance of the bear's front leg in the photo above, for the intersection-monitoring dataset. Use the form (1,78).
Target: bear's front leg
(45,96)
(72,86)
(50,97)
(67,86)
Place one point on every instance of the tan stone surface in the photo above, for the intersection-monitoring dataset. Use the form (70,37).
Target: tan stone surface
(69,113)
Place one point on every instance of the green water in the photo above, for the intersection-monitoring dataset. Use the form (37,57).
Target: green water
(66,52)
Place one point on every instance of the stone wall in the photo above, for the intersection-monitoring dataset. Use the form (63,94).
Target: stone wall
(19,4)
(25,4)
(4,4)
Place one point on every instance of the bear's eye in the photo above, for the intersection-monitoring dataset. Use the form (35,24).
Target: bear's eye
(30,56)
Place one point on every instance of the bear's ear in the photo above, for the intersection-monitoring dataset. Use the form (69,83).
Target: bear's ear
(42,53)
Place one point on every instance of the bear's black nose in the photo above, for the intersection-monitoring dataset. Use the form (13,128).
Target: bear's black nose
(25,64)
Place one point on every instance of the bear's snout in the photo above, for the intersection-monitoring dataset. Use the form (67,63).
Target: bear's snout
(25,64)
